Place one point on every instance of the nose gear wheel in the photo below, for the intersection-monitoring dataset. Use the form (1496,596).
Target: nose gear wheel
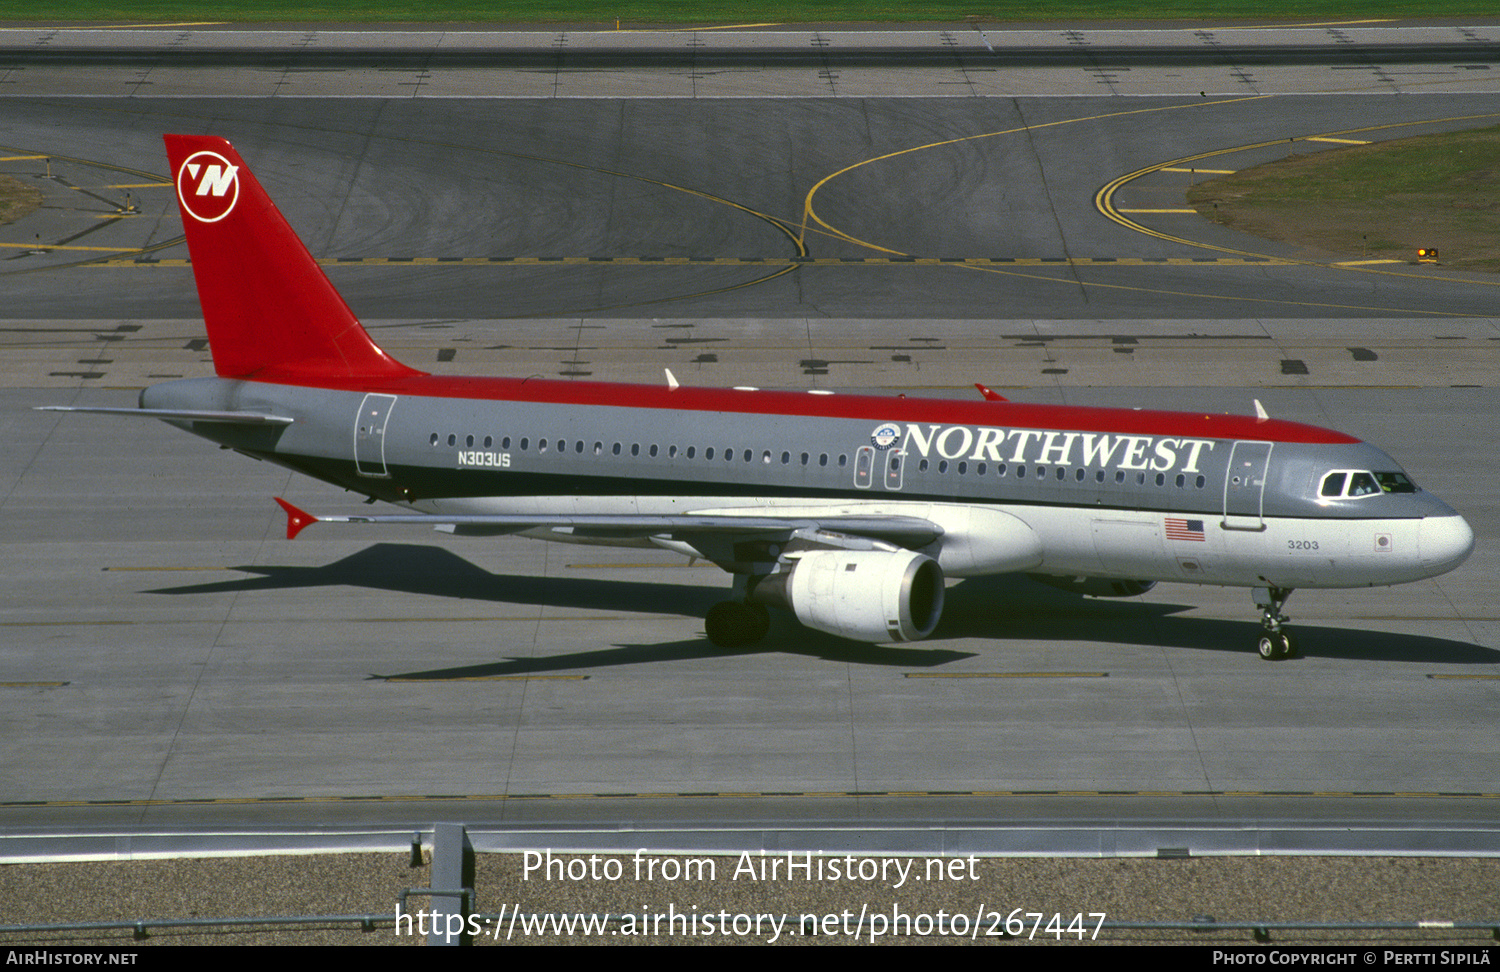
(1275,642)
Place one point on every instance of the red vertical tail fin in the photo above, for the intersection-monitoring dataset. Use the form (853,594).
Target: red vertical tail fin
(270,311)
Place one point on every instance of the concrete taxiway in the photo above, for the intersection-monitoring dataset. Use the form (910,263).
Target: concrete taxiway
(163,645)
(1058,209)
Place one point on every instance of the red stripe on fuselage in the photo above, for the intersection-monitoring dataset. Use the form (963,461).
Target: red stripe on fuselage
(1198,425)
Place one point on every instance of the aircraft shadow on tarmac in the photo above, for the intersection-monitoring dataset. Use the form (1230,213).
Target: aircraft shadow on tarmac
(435,572)
(1016,607)
(1008,608)
(797,641)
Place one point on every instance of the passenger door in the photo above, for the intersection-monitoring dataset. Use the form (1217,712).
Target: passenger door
(1245,486)
(369,435)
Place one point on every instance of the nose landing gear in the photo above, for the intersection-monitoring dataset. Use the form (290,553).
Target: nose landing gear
(1275,641)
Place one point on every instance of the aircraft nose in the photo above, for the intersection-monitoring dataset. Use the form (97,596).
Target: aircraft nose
(1446,542)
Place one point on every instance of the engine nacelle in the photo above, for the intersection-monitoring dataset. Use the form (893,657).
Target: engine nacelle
(1095,586)
(864,595)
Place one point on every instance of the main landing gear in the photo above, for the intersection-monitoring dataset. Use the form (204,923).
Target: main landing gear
(1275,641)
(735,624)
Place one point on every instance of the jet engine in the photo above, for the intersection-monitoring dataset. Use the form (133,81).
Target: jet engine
(863,595)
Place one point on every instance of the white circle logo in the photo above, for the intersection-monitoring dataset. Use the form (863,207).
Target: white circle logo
(885,436)
(208,186)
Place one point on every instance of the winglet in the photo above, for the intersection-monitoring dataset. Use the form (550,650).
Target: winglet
(988,394)
(1260,412)
(671,379)
(296,520)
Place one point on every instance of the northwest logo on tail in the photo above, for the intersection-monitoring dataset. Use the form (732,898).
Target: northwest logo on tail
(208,186)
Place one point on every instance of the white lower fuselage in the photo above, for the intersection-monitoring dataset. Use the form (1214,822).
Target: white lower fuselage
(1085,542)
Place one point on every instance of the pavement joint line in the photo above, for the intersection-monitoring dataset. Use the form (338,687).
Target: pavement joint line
(54,246)
(488,678)
(155,569)
(728,261)
(433,620)
(743,794)
(43,624)
(1006,675)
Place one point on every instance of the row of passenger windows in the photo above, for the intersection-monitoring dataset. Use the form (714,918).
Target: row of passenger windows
(653,451)
(1061,473)
(961,467)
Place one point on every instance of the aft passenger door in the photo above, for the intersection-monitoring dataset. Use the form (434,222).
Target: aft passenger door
(369,435)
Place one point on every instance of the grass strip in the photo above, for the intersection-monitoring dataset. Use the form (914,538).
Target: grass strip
(17,199)
(1374,201)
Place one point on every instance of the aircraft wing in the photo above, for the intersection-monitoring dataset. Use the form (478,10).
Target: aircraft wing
(903,531)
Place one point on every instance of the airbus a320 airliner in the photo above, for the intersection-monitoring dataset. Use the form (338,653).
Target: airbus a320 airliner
(847,511)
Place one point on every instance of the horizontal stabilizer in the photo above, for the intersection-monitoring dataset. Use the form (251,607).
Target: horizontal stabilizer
(179,415)
(296,520)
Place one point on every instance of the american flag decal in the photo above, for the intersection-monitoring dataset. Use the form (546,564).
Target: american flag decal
(1180,529)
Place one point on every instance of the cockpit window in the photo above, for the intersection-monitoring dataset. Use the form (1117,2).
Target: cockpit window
(1354,483)
(1395,482)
